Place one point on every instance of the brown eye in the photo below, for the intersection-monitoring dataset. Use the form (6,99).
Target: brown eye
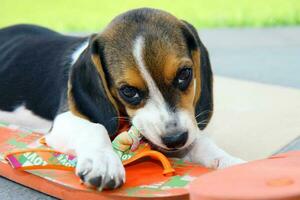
(130,94)
(183,78)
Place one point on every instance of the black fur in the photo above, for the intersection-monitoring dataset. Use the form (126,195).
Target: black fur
(35,66)
(89,95)
(204,106)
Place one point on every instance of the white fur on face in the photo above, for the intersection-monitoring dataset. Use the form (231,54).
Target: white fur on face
(187,120)
(152,119)
(207,153)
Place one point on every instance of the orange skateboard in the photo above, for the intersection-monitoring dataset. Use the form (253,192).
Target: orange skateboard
(144,178)
(275,178)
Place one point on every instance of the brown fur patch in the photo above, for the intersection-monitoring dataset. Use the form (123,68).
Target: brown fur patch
(97,63)
(131,111)
(132,77)
(191,94)
(71,103)
(187,98)
(172,65)
(197,74)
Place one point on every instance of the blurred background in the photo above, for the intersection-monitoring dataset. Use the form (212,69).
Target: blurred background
(93,15)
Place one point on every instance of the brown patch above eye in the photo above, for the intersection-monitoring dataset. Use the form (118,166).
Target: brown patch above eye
(172,65)
(132,77)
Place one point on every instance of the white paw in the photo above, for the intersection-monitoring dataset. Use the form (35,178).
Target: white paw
(103,170)
(227,161)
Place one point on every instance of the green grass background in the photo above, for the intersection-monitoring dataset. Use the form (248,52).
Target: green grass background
(92,15)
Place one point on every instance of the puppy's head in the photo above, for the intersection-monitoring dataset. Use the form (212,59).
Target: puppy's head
(152,68)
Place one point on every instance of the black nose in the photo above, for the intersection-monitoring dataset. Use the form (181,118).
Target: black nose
(175,140)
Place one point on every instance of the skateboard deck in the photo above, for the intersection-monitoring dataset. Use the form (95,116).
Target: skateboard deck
(275,178)
(144,179)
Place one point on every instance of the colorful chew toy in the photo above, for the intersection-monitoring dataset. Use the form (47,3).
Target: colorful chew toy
(127,145)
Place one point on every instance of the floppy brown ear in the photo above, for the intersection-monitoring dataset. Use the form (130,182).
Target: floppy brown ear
(88,94)
(203,101)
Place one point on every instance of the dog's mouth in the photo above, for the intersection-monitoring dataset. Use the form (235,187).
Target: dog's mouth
(155,146)
(163,149)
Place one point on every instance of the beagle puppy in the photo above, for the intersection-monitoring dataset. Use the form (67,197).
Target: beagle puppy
(146,67)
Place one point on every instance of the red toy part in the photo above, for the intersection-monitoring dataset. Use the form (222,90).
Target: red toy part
(275,178)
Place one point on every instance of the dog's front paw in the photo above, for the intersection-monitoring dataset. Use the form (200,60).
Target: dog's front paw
(227,161)
(103,170)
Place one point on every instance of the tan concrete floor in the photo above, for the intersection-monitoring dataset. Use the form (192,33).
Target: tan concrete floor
(254,120)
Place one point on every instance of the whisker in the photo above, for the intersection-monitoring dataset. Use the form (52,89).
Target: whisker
(203,122)
(202,113)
